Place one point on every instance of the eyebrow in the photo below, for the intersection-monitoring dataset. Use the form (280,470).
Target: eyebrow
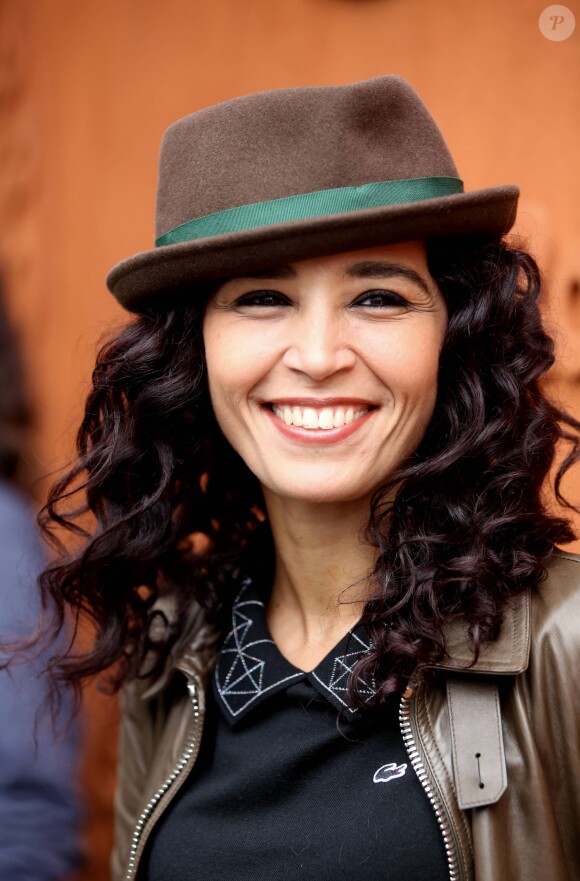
(363,269)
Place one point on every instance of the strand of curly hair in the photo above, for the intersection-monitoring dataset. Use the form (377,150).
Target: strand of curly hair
(465,529)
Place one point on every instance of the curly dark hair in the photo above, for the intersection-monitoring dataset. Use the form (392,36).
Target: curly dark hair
(178,511)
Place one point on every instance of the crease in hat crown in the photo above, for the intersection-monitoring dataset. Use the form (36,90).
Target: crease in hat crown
(283,143)
(289,173)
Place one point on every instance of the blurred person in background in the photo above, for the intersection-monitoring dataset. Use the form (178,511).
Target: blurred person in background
(40,803)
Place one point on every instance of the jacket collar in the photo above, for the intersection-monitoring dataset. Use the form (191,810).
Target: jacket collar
(508,654)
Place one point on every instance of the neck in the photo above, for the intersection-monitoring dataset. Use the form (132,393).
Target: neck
(323,574)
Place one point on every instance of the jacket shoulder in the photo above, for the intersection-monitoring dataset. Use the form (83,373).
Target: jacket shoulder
(556,604)
(552,682)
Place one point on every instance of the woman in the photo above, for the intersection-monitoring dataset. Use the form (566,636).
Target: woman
(315,460)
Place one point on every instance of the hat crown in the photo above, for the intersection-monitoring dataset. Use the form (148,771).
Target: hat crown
(285,142)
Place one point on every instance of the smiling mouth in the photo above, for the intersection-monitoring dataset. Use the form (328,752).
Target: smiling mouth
(320,419)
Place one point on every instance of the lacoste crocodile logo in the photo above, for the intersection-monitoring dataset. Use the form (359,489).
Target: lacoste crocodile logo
(389,772)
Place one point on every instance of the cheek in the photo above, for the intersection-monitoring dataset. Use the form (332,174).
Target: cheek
(217,359)
(407,362)
(230,366)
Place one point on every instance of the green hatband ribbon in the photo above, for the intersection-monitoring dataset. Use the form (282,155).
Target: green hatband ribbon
(315,204)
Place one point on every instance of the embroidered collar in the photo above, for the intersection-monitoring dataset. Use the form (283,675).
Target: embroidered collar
(509,654)
(250,667)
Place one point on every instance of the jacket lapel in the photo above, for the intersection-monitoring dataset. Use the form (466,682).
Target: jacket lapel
(508,654)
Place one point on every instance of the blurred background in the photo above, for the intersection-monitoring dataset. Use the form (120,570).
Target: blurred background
(86,91)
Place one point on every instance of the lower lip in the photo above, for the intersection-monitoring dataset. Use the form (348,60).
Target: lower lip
(317,435)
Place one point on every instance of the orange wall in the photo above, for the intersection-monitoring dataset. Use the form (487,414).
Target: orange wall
(87,88)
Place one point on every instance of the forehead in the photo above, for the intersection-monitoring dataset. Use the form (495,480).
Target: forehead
(406,259)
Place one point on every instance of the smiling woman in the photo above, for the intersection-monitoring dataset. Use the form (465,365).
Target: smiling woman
(316,459)
(306,349)
(320,453)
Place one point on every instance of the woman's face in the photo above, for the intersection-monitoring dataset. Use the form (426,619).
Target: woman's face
(363,328)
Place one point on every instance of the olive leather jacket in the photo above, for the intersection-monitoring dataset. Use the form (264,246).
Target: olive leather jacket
(495,745)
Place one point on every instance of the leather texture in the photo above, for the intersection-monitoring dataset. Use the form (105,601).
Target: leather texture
(527,681)
(479,771)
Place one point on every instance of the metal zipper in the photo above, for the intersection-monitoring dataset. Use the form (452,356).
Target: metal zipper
(190,748)
(455,873)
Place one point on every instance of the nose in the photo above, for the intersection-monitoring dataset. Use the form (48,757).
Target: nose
(319,343)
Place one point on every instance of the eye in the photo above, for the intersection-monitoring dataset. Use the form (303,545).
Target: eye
(382,298)
(261,298)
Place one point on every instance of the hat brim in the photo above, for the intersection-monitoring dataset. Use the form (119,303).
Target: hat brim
(141,281)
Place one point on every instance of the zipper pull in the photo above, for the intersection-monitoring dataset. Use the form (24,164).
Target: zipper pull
(412,685)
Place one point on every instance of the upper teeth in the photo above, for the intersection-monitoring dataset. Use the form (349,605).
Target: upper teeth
(327,417)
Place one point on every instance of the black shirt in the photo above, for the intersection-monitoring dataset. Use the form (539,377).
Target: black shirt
(278,792)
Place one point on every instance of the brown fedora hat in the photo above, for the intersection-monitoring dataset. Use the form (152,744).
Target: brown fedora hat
(287,174)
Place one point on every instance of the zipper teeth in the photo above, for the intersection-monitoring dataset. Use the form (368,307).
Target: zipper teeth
(152,804)
(419,768)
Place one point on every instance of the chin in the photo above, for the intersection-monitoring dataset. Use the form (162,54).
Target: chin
(318,495)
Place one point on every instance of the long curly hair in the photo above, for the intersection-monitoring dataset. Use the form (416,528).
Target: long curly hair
(458,528)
